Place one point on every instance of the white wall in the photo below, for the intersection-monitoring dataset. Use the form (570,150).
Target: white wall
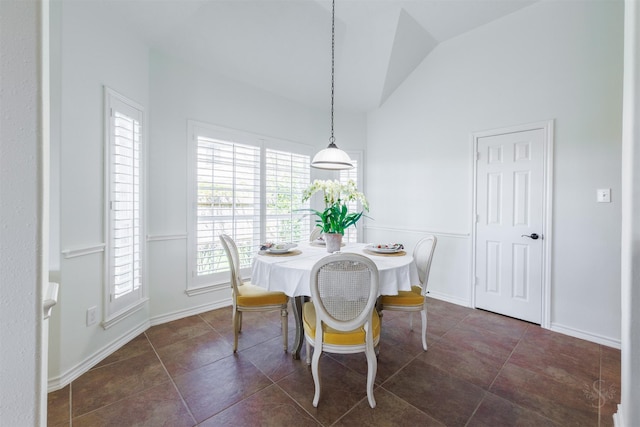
(526,67)
(91,50)
(182,92)
(628,411)
(23,226)
(553,60)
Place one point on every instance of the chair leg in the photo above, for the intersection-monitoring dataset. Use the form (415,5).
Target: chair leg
(235,319)
(423,314)
(284,317)
(315,371)
(239,322)
(308,348)
(372,369)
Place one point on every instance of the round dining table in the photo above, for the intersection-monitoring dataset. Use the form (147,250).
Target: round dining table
(290,272)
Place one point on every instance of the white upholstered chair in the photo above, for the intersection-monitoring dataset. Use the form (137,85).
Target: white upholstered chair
(415,299)
(317,232)
(248,297)
(340,318)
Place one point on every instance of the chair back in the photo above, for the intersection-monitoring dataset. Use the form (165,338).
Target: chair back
(344,289)
(423,254)
(233,257)
(317,231)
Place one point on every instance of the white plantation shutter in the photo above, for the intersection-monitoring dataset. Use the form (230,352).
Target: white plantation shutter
(228,201)
(125,200)
(351,233)
(287,175)
(124,208)
(242,185)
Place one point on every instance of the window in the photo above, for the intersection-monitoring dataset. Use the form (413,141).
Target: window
(287,175)
(124,207)
(247,187)
(228,201)
(353,234)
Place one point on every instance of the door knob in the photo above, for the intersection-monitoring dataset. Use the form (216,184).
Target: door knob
(533,236)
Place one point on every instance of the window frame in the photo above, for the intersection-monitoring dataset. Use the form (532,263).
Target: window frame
(114,310)
(216,281)
(358,157)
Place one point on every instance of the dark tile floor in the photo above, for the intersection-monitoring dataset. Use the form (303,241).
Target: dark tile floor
(481,369)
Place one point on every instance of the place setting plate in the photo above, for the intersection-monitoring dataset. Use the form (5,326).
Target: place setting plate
(386,249)
(281,249)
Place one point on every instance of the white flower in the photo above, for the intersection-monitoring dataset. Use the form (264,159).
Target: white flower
(336,192)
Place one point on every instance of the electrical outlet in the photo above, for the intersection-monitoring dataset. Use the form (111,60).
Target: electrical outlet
(91,316)
(604,195)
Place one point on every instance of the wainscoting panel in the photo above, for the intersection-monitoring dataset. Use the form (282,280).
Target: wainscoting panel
(449,279)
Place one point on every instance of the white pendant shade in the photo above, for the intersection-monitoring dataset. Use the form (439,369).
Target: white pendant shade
(332,158)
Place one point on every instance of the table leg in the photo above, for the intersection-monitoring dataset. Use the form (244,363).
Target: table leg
(297,308)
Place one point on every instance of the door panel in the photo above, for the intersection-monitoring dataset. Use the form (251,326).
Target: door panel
(510,191)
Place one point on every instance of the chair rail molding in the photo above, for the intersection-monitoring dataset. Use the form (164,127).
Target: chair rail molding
(164,237)
(84,250)
(443,233)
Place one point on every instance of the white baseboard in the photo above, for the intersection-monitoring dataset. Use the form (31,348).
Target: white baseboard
(75,372)
(170,317)
(72,374)
(448,298)
(618,419)
(589,336)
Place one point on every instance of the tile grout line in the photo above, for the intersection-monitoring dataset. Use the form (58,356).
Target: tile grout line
(409,404)
(509,357)
(171,379)
(351,409)
(235,355)
(412,360)
(600,383)
(487,391)
(521,343)
(296,402)
(500,371)
(71,404)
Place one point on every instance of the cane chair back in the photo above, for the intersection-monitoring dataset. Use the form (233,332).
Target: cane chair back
(341,316)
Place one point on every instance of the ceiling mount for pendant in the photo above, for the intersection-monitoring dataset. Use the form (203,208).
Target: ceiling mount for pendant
(332,157)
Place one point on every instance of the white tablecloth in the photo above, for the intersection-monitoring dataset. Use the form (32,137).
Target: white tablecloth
(291,274)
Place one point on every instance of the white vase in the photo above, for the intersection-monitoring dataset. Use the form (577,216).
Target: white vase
(333,241)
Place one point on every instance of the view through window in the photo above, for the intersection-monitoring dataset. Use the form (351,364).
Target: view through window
(351,233)
(250,192)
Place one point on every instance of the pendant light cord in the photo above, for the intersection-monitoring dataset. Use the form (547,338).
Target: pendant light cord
(332,139)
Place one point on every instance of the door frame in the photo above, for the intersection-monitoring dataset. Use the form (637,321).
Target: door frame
(547,214)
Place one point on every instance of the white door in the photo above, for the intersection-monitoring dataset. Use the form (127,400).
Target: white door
(509,223)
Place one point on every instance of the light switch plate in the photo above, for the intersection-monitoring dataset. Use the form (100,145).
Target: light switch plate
(604,195)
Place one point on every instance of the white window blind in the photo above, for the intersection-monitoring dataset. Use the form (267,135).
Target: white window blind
(246,186)
(228,201)
(287,175)
(125,205)
(124,225)
(351,233)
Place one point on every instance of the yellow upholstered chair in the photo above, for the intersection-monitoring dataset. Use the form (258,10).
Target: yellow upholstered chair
(415,299)
(248,297)
(340,318)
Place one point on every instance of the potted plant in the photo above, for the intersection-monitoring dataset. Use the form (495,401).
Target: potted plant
(335,218)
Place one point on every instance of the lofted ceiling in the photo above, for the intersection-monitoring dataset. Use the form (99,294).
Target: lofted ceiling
(284,46)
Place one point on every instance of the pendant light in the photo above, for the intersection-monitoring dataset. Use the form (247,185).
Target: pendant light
(332,157)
